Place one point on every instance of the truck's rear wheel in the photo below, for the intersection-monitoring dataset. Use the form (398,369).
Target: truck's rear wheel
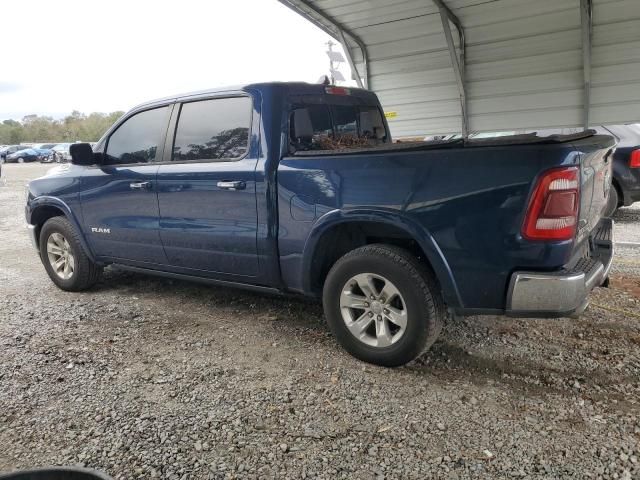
(63,257)
(382,305)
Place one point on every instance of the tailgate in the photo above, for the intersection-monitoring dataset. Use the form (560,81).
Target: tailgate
(596,158)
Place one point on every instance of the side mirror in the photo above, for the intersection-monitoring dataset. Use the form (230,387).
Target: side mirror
(82,154)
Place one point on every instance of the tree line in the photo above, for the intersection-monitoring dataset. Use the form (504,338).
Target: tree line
(74,127)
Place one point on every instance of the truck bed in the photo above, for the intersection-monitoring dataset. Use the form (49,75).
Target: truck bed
(523,139)
(469,198)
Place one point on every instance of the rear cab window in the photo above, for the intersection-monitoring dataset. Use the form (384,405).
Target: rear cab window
(326,122)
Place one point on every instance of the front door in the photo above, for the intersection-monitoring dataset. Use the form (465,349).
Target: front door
(207,189)
(119,198)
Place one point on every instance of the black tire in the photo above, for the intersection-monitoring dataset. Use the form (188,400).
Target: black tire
(424,304)
(613,203)
(85,273)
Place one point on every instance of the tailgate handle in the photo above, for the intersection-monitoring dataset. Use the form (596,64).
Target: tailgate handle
(235,185)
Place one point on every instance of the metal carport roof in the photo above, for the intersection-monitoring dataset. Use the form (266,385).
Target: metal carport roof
(525,64)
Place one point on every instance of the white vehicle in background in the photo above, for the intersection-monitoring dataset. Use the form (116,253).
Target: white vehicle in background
(61,153)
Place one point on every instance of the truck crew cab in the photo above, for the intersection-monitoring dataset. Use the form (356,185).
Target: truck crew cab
(298,188)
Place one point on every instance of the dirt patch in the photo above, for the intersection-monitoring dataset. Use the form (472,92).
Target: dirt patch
(627,283)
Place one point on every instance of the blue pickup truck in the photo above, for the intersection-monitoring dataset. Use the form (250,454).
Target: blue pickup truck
(295,188)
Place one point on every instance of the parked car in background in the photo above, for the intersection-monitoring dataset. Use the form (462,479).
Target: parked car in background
(49,158)
(44,153)
(626,166)
(47,146)
(22,156)
(8,150)
(61,152)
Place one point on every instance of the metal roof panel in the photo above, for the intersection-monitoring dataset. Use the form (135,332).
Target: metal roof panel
(523,65)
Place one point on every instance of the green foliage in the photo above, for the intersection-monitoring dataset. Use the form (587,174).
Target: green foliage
(74,127)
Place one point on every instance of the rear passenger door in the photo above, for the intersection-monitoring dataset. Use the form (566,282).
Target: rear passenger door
(207,189)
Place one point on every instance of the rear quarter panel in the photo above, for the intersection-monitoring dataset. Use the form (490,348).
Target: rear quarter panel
(469,202)
(596,155)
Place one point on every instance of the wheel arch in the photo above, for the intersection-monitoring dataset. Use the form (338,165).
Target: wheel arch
(43,208)
(328,235)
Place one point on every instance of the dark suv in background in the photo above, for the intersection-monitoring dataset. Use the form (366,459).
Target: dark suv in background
(626,166)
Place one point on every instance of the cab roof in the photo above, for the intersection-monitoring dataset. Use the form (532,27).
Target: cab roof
(292,88)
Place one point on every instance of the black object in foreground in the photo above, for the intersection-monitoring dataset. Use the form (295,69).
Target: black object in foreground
(55,473)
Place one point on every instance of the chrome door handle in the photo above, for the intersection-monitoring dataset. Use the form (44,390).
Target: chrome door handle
(140,185)
(236,185)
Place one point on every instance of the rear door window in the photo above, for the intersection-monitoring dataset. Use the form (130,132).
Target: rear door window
(213,130)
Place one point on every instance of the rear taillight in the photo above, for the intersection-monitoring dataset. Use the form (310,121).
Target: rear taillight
(553,209)
(634,161)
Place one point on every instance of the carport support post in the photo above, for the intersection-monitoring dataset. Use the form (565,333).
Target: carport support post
(586,19)
(457,61)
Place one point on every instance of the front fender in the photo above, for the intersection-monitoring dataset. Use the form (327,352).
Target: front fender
(396,219)
(44,201)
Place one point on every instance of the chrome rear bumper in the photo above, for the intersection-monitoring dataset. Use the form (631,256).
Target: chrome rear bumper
(563,293)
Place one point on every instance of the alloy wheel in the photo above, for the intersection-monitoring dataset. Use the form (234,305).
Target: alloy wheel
(373,310)
(60,256)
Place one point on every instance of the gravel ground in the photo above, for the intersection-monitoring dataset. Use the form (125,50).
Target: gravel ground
(151,378)
(628,224)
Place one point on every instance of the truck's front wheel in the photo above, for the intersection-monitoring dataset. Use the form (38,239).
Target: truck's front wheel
(63,257)
(383,305)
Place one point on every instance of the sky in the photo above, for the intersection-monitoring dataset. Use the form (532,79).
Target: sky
(108,55)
